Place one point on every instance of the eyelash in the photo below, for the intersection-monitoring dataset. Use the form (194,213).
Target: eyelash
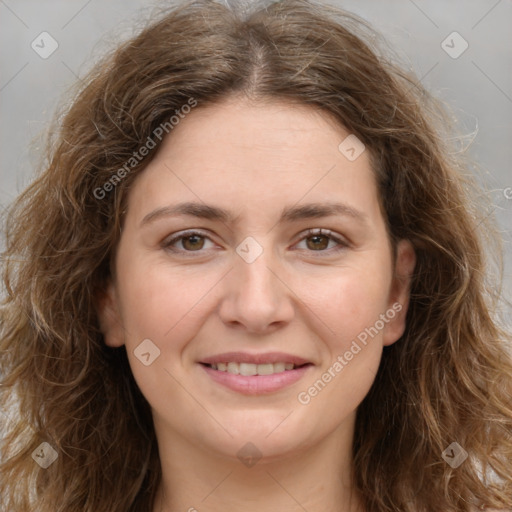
(343,244)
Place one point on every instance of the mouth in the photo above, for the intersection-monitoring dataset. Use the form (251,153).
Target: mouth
(251,369)
(255,374)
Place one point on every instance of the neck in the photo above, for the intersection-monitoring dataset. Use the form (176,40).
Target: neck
(316,479)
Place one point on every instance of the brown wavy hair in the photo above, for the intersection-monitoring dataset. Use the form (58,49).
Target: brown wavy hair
(448,379)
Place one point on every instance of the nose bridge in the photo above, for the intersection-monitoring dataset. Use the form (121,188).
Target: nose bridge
(253,262)
(256,282)
(256,276)
(255,297)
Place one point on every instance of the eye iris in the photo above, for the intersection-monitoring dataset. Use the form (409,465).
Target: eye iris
(323,246)
(186,240)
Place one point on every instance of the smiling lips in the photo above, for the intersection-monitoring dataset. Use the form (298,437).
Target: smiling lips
(248,369)
(255,373)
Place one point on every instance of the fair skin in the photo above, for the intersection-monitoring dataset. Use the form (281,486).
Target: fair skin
(197,297)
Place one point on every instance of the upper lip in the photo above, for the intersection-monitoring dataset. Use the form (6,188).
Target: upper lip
(245,357)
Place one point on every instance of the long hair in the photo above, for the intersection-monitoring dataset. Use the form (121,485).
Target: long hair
(447,380)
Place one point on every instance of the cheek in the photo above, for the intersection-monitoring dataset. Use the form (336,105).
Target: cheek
(160,301)
(164,306)
(168,305)
(351,307)
(349,300)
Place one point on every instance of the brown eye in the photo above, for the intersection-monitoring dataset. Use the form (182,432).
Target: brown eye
(192,242)
(187,242)
(319,242)
(323,241)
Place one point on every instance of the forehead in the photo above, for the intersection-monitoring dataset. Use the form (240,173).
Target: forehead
(256,156)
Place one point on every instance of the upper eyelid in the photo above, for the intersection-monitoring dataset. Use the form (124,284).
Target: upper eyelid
(184,234)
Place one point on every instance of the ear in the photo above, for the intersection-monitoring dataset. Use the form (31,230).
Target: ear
(111,324)
(398,302)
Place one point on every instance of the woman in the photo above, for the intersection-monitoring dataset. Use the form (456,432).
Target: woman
(252,276)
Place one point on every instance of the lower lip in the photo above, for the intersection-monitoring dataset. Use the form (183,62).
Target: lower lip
(257,384)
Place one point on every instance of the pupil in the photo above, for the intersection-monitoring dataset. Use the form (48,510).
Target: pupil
(316,237)
(192,237)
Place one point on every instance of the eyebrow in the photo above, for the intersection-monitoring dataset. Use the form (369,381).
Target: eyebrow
(289,214)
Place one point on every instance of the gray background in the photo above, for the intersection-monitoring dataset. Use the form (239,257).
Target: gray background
(477,85)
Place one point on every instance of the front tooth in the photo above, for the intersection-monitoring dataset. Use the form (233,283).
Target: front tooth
(248,369)
(266,369)
(279,367)
(233,368)
(288,366)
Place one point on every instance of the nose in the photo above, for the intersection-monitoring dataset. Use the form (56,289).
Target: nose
(255,297)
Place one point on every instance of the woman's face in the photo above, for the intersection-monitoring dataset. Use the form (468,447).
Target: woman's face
(247,284)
